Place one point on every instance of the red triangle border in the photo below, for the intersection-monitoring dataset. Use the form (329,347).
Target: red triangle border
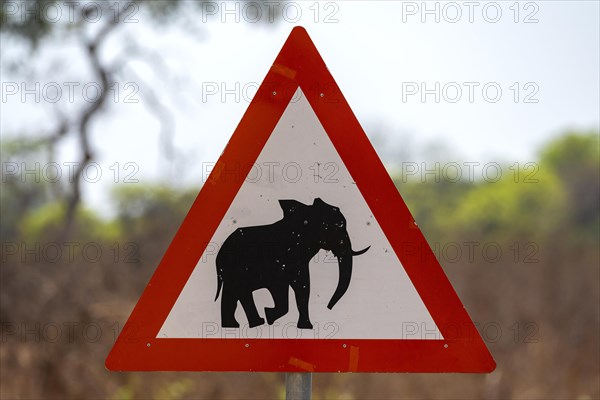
(137,347)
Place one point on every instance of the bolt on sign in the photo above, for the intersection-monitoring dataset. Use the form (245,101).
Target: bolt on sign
(299,253)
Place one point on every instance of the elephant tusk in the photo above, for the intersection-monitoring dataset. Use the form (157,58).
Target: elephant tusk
(358,253)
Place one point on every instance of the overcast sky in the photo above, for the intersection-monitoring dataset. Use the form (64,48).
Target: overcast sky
(381,54)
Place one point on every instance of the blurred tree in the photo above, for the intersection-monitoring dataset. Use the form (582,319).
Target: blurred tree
(522,209)
(20,195)
(46,24)
(432,203)
(150,216)
(520,204)
(575,159)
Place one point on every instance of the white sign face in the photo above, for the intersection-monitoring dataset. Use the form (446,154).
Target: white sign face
(299,162)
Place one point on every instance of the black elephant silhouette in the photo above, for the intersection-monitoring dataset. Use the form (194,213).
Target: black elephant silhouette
(276,257)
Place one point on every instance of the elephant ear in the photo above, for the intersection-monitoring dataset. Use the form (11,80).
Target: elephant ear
(291,207)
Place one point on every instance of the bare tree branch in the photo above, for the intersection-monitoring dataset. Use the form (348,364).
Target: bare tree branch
(105,80)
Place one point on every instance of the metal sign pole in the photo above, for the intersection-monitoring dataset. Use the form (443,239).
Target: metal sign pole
(298,386)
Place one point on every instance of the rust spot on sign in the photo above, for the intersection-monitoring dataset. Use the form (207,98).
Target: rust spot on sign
(353,364)
(283,70)
(306,366)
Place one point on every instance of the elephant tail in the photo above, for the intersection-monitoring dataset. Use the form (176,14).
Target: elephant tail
(219,286)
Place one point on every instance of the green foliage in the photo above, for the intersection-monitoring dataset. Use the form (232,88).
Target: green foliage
(21,194)
(175,390)
(559,192)
(571,153)
(575,159)
(150,216)
(125,392)
(506,208)
(147,204)
(48,221)
(432,203)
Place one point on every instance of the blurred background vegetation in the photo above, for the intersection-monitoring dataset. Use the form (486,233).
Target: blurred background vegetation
(541,293)
(540,298)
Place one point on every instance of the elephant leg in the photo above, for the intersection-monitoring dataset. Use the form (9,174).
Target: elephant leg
(281,300)
(250,309)
(302,292)
(228,306)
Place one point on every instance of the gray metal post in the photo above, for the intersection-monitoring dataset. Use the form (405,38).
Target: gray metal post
(298,386)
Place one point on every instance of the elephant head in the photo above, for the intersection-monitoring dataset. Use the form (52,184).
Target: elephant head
(327,226)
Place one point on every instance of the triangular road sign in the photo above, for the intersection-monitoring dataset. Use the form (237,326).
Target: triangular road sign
(315,260)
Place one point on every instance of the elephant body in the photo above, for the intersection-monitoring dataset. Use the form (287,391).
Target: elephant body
(276,257)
